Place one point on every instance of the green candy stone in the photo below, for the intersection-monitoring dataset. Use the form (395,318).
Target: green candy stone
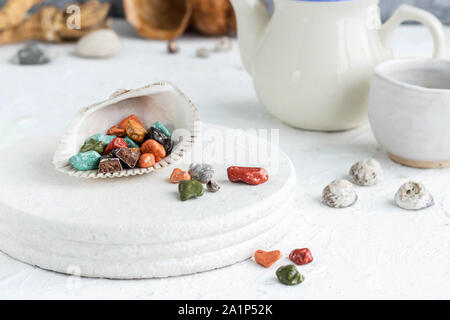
(289,275)
(190,189)
(93,145)
(86,161)
(158,125)
(131,143)
(106,139)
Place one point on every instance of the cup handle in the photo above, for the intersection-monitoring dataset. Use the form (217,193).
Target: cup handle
(409,13)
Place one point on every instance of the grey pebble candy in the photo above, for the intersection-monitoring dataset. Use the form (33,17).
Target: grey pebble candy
(201,172)
(212,186)
(31,54)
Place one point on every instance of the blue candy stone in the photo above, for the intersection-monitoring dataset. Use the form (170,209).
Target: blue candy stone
(86,160)
(131,143)
(161,127)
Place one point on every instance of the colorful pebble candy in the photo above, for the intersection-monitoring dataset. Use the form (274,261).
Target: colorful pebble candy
(116,131)
(151,146)
(179,175)
(146,160)
(124,123)
(85,161)
(128,157)
(116,143)
(124,146)
(108,164)
(190,189)
(161,138)
(289,275)
(131,144)
(93,145)
(158,125)
(251,176)
(267,259)
(301,256)
(201,172)
(135,130)
(212,186)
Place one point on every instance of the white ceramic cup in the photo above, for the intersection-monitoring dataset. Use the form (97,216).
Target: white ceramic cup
(409,111)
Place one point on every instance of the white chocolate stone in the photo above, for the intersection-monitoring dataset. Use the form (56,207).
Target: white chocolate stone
(339,194)
(413,196)
(366,173)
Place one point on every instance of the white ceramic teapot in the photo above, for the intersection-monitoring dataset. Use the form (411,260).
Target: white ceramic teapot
(312,60)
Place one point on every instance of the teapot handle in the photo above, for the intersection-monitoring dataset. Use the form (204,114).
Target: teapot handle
(409,13)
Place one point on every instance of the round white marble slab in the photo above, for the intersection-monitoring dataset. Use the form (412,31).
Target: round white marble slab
(136,227)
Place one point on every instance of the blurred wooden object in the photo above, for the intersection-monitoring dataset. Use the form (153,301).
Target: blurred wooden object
(50,24)
(169,19)
(14,11)
(213,17)
(158,19)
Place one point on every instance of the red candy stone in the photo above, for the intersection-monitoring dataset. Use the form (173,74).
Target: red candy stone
(253,176)
(301,256)
(116,143)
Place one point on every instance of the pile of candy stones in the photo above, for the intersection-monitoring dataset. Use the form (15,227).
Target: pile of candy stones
(126,145)
(190,183)
(288,274)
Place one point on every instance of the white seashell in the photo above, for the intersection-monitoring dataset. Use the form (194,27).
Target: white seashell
(339,194)
(366,173)
(413,196)
(99,44)
(157,102)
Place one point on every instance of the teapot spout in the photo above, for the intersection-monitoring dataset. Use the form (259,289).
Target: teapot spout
(252,19)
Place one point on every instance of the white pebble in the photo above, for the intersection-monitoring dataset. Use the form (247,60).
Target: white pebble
(203,53)
(413,196)
(366,173)
(99,44)
(223,45)
(339,194)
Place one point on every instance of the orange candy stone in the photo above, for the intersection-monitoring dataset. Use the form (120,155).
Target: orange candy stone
(116,131)
(179,175)
(136,131)
(267,259)
(124,124)
(152,146)
(146,160)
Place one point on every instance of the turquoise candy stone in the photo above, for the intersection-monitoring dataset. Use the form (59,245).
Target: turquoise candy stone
(190,189)
(106,139)
(93,145)
(131,143)
(160,126)
(86,160)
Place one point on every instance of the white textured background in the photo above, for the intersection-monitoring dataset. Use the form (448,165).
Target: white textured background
(372,250)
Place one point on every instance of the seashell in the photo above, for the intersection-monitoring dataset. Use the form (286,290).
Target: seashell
(366,173)
(99,44)
(413,196)
(339,194)
(161,101)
